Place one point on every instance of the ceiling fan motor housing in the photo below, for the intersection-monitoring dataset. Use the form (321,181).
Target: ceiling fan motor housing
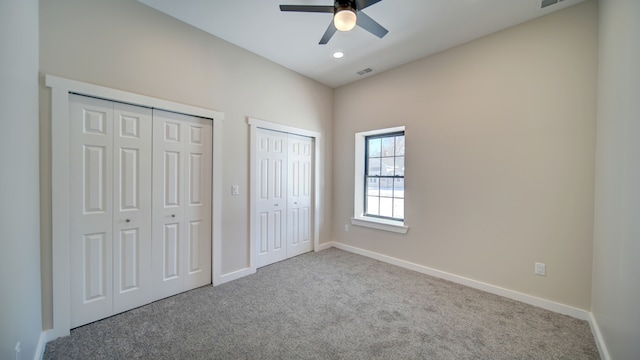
(344,5)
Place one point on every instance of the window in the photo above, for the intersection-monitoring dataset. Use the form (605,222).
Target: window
(379,199)
(384,176)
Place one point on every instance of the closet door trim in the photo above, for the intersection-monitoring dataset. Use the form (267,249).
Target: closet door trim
(60,210)
(316,201)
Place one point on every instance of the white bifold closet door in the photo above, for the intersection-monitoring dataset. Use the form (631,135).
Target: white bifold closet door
(299,195)
(271,204)
(136,238)
(182,148)
(282,225)
(110,168)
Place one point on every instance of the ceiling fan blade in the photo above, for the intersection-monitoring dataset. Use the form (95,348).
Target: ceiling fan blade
(328,34)
(307,8)
(370,25)
(361,4)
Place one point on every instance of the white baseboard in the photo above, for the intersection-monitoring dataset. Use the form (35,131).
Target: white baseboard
(233,276)
(595,330)
(249,271)
(324,246)
(42,343)
(514,295)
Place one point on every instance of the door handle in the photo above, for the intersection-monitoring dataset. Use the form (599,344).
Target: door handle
(173,215)
(128,220)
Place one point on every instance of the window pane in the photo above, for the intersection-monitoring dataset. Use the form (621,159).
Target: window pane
(386,187)
(388,146)
(373,187)
(374,147)
(372,205)
(387,168)
(398,208)
(386,207)
(399,168)
(374,167)
(400,145)
(398,188)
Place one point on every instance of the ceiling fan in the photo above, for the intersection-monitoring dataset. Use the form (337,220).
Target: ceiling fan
(346,15)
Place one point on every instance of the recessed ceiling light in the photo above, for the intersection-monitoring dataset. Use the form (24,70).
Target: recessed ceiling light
(338,54)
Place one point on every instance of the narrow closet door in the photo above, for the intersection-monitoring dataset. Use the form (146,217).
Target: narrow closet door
(181,225)
(197,214)
(299,195)
(168,204)
(132,207)
(91,209)
(270,228)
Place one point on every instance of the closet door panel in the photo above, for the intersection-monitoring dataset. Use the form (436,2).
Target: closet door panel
(91,247)
(300,155)
(197,216)
(271,206)
(182,152)
(168,204)
(132,207)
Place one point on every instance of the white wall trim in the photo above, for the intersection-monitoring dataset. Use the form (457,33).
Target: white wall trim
(254,124)
(234,275)
(510,294)
(282,128)
(324,246)
(42,343)
(381,224)
(60,89)
(106,93)
(216,205)
(597,334)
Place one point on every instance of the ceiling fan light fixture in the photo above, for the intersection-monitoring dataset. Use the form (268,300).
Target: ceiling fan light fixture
(345,19)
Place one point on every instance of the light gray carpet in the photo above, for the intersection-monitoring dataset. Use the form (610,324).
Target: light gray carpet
(332,305)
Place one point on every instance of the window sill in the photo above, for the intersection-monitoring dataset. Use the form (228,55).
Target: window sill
(381,224)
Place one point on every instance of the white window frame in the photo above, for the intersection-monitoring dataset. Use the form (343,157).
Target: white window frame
(359,219)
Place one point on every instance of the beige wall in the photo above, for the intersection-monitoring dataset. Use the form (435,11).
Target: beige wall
(125,45)
(500,139)
(20,317)
(616,287)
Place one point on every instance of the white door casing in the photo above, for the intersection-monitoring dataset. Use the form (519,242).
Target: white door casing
(182,203)
(271,215)
(111,208)
(299,187)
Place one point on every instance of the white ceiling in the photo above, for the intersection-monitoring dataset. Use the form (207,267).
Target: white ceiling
(417,28)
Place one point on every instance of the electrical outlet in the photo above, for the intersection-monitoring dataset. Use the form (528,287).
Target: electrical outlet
(17,349)
(346,227)
(540,269)
(235,190)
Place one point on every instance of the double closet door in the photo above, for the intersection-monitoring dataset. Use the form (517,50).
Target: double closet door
(140,206)
(284,183)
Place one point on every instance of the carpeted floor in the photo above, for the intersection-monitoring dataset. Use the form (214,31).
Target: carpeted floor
(332,305)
